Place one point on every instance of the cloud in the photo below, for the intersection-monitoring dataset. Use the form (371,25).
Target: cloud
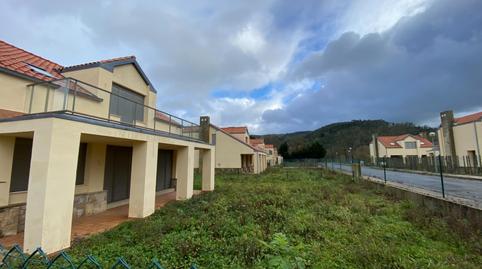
(328,60)
(424,64)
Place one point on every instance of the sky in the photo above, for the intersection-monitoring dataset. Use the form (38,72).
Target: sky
(274,66)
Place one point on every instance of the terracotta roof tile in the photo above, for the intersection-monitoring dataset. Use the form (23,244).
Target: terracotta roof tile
(392,141)
(236,130)
(468,118)
(257,141)
(18,60)
(101,61)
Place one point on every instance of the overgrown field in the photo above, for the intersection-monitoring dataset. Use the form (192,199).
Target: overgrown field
(291,218)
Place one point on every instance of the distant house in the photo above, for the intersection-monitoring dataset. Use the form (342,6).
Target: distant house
(234,148)
(460,138)
(400,146)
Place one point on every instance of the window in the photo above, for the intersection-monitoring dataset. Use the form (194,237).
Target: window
(213,139)
(410,145)
(39,70)
(22,154)
(126,104)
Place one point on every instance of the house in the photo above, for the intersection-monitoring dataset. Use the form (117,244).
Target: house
(76,140)
(273,157)
(233,149)
(460,138)
(399,147)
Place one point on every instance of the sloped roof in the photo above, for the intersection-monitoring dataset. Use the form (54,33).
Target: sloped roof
(239,140)
(468,118)
(236,130)
(269,146)
(256,141)
(23,62)
(391,141)
(110,64)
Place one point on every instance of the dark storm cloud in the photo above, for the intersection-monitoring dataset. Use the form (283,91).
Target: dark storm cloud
(425,64)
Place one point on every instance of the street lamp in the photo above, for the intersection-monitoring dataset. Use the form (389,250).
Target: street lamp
(350,153)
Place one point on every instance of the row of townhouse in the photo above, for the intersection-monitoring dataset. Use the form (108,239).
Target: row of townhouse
(458,140)
(237,151)
(77,140)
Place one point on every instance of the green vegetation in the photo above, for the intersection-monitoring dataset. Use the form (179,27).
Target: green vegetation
(338,137)
(291,218)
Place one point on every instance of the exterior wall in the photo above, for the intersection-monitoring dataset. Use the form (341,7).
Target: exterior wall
(465,138)
(388,152)
(13,92)
(243,137)
(228,150)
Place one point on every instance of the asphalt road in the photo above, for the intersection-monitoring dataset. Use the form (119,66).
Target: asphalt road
(463,188)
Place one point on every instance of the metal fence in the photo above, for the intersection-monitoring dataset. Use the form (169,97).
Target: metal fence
(15,258)
(462,165)
(440,180)
(83,99)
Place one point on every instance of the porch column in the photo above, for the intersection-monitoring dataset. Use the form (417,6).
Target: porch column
(208,169)
(51,187)
(7,144)
(184,172)
(142,198)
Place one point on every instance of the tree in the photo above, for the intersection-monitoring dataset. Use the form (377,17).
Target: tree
(283,150)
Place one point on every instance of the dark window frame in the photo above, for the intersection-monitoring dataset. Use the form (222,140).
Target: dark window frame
(126,104)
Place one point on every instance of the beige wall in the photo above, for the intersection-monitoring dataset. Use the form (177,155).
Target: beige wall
(13,92)
(467,137)
(388,152)
(243,137)
(228,150)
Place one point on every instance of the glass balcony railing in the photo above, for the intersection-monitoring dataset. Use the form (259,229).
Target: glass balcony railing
(76,97)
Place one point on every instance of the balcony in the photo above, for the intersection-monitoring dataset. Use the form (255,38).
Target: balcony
(74,97)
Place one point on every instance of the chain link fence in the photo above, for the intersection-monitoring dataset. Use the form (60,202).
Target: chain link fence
(15,258)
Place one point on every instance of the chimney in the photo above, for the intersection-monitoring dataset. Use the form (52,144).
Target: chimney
(204,123)
(447,123)
(375,146)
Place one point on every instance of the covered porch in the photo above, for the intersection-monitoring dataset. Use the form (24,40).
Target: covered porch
(126,169)
(88,225)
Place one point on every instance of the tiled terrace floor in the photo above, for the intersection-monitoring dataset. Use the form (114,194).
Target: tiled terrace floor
(93,224)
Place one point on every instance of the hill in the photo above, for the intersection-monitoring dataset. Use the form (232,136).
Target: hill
(338,137)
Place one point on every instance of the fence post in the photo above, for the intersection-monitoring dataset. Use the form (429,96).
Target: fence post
(441,175)
(385,169)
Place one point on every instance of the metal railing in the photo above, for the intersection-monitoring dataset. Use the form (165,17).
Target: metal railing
(76,97)
(15,258)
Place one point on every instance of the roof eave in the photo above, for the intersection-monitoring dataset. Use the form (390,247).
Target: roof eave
(110,67)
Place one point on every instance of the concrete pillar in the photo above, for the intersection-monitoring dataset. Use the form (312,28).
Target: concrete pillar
(208,169)
(7,145)
(185,172)
(142,198)
(51,187)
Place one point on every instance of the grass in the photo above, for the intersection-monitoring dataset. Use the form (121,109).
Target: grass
(291,218)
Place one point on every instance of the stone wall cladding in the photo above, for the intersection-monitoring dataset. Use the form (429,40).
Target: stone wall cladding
(12,218)
(90,203)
